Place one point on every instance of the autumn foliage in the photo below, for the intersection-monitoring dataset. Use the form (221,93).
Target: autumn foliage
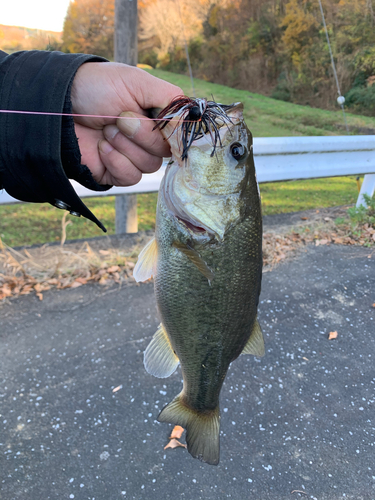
(89,27)
(275,47)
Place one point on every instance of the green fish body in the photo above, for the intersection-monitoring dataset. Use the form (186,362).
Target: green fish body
(206,260)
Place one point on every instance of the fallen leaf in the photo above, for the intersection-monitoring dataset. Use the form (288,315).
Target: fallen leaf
(40,296)
(322,242)
(113,269)
(38,287)
(304,218)
(117,388)
(75,284)
(177,432)
(332,335)
(173,443)
(373,305)
(83,281)
(6,290)
(306,359)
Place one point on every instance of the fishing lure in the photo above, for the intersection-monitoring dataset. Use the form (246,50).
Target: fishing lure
(198,117)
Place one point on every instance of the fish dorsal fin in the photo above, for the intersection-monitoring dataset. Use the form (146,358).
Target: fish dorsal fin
(196,259)
(146,263)
(255,344)
(160,359)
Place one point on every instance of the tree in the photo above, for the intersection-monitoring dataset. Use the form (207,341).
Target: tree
(300,27)
(167,22)
(89,27)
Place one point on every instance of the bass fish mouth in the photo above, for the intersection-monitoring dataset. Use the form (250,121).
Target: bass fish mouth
(192,227)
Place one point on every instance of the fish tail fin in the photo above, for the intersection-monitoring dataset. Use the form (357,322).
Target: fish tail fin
(202,429)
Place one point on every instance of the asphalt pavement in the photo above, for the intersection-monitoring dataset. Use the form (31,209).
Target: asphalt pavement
(298,423)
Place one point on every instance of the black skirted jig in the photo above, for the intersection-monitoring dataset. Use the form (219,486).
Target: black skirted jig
(198,117)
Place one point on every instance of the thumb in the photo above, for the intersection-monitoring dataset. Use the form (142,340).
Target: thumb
(152,92)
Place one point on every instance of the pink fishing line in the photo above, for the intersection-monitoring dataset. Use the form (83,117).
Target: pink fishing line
(79,115)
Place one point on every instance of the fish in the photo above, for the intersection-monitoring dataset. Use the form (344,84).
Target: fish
(206,261)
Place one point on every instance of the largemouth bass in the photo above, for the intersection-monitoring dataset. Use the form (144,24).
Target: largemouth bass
(206,260)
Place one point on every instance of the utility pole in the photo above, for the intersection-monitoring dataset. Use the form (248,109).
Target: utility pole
(126,51)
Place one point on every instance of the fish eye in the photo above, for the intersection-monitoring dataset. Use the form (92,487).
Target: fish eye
(238,151)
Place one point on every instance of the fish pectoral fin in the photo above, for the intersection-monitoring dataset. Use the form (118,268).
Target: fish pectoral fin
(146,263)
(202,429)
(196,259)
(255,344)
(159,358)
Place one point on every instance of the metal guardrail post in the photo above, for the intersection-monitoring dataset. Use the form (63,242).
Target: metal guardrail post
(368,187)
(126,213)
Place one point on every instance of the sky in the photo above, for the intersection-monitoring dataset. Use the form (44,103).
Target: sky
(39,14)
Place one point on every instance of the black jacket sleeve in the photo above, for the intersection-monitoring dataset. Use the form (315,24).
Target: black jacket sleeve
(39,152)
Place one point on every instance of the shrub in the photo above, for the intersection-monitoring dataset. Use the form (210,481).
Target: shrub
(363,215)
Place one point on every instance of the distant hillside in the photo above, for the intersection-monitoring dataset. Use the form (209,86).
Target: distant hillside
(13,38)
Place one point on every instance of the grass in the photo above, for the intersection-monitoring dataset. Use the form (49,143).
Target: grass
(28,224)
(268,117)
(294,196)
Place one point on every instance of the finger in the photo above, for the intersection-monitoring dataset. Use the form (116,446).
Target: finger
(140,131)
(142,159)
(120,170)
(152,92)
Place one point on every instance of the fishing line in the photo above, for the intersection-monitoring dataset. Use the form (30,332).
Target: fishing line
(195,117)
(13,111)
(341,98)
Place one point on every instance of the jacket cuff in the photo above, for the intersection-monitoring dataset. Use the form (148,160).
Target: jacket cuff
(70,152)
(30,144)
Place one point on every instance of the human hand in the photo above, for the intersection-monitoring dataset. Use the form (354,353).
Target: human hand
(118,151)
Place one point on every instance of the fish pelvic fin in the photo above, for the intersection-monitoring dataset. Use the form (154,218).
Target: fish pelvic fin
(202,429)
(255,344)
(195,259)
(159,358)
(146,263)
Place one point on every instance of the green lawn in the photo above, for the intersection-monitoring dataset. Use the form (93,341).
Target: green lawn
(27,224)
(268,117)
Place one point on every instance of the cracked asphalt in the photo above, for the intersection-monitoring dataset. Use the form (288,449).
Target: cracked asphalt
(298,423)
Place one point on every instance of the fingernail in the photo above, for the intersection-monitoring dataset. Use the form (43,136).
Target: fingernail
(105,147)
(110,131)
(129,124)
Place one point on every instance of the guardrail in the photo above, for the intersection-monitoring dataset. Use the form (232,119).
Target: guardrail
(276,159)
